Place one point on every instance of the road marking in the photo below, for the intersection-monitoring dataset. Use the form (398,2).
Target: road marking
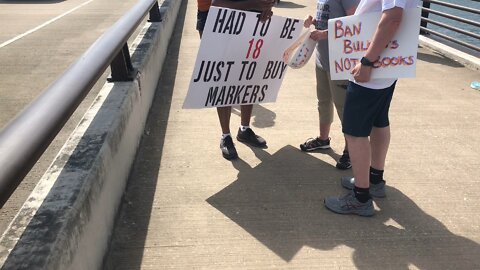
(43,25)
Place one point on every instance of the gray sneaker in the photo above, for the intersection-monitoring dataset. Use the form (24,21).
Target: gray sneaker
(376,190)
(348,204)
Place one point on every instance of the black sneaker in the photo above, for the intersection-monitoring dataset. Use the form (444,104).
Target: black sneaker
(344,162)
(249,137)
(314,144)
(228,148)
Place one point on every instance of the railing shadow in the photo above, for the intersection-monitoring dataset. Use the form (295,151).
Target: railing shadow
(280,203)
(134,227)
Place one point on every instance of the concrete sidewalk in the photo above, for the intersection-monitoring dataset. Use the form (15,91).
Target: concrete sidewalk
(188,208)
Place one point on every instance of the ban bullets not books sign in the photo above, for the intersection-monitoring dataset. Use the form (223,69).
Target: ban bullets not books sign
(349,38)
(240,59)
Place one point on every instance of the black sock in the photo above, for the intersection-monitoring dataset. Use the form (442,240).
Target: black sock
(362,194)
(376,176)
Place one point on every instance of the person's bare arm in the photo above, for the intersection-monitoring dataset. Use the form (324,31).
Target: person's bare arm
(386,29)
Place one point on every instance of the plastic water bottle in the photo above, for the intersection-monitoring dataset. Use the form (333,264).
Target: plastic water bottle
(475,85)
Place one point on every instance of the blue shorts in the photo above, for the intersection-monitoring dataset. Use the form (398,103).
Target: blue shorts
(201,20)
(366,108)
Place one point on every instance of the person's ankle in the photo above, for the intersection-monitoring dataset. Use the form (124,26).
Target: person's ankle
(376,176)
(243,128)
(362,194)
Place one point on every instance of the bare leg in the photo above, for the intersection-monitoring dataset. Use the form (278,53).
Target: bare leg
(224,117)
(324,131)
(359,150)
(379,142)
(324,103)
(246,113)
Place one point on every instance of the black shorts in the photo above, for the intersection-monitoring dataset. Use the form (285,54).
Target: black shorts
(201,20)
(366,108)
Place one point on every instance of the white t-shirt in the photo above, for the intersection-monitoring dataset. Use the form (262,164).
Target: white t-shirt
(368,6)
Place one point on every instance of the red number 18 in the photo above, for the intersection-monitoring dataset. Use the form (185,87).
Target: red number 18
(256,51)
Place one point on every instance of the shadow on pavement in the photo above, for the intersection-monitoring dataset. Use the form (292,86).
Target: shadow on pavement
(280,203)
(437,58)
(262,117)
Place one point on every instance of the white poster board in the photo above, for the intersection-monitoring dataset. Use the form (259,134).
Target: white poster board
(349,38)
(240,59)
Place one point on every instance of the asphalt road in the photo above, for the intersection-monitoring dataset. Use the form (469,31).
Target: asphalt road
(39,40)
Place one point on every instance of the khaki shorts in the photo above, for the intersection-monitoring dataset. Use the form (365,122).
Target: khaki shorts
(329,93)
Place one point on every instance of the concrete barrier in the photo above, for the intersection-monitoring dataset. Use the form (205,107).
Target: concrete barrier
(67,220)
(465,59)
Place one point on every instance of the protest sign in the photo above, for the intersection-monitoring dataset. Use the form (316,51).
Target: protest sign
(240,59)
(349,38)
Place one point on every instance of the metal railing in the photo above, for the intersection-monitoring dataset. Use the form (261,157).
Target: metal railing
(425,20)
(28,135)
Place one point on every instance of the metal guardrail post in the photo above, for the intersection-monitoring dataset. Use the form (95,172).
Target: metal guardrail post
(425,13)
(155,13)
(121,66)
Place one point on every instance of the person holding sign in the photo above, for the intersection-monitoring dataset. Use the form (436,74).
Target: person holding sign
(245,133)
(329,93)
(365,116)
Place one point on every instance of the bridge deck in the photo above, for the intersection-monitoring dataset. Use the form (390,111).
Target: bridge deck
(188,208)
